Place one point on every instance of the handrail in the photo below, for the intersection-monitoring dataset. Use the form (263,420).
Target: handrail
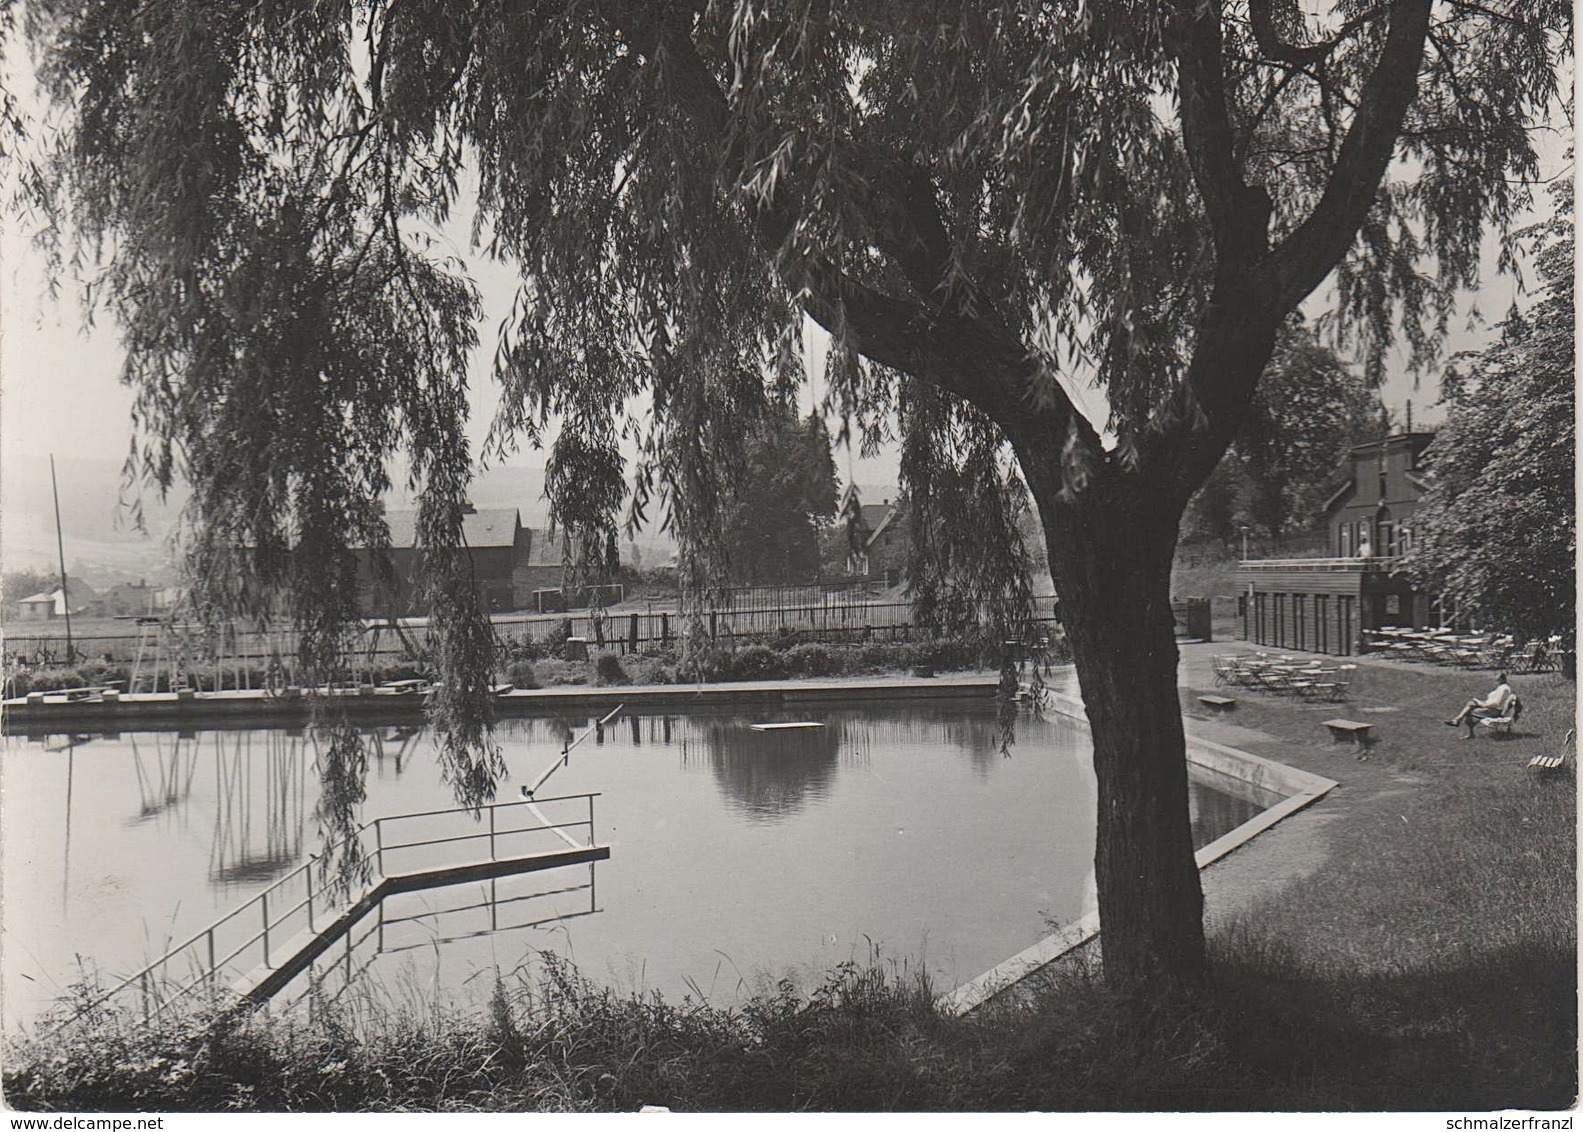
(311,892)
(1338,564)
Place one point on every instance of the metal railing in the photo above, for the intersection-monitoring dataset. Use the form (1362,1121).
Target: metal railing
(1359,565)
(319,890)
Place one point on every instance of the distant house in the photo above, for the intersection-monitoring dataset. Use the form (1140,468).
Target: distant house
(541,568)
(878,535)
(505,567)
(1326,604)
(51,605)
(42,607)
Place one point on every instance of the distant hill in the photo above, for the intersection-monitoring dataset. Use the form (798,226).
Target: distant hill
(100,540)
(103,547)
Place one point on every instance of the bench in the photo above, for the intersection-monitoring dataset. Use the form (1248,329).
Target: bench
(1348,731)
(401,687)
(1218,703)
(1547,762)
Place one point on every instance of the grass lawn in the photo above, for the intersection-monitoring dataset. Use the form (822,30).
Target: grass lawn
(1409,942)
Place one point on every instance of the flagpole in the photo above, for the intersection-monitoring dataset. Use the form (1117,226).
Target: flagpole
(60,547)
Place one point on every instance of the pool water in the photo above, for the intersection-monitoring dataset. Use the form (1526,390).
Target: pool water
(737,857)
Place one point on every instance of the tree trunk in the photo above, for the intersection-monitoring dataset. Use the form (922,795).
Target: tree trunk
(1111,557)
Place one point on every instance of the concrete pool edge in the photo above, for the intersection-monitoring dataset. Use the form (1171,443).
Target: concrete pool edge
(1299,789)
(19,717)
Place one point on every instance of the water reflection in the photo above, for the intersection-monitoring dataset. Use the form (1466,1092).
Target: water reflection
(392,747)
(425,920)
(164,776)
(770,775)
(258,821)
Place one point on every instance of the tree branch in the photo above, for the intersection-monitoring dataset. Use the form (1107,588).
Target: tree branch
(945,343)
(1238,214)
(1305,257)
(1261,14)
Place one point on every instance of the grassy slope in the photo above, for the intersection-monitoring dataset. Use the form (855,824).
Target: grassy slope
(1430,963)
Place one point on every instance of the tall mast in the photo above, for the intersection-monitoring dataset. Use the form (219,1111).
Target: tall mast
(60,547)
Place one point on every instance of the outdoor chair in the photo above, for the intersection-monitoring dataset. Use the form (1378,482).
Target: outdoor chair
(1339,687)
(1533,658)
(1559,760)
(1497,654)
(1502,724)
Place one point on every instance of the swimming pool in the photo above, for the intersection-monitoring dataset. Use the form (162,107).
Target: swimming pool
(738,857)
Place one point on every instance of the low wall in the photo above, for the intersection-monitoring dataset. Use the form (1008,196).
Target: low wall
(220,709)
(1296,788)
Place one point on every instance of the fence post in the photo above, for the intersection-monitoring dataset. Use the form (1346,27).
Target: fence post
(212,971)
(309,874)
(632,633)
(379,846)
(264,903)
(665,629)
(491,833)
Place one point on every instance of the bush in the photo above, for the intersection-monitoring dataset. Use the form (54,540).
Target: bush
(608,670)
(552,671)
(521,674)
(523,647)
(750,662)
(811,660)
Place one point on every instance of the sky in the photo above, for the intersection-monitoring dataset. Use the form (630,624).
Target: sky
(60,393)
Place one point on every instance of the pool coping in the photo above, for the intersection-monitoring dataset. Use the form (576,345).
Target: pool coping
(231,708)
(1299,789)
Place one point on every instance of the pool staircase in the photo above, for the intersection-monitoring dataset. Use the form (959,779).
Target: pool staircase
(259,948)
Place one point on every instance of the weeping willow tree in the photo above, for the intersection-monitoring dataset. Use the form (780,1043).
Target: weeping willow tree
(984,205)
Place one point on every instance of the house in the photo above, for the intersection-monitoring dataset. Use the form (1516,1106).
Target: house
(1326,604)
(1370,514)
(42,607)
(501,550)
(51,605)
(877,535)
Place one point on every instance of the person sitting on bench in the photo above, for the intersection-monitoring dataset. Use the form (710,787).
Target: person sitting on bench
(1491,706)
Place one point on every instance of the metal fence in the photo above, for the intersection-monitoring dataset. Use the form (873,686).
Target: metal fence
(167,654)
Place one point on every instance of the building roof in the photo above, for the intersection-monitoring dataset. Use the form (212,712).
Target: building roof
(544,549)
(875,516)
(490,526)
(56,601)
(1418,441)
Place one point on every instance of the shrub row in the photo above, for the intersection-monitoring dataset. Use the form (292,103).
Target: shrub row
(100,674)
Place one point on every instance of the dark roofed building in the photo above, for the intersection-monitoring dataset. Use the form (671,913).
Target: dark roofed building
(881,537)
(500,548)
(1370,514)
